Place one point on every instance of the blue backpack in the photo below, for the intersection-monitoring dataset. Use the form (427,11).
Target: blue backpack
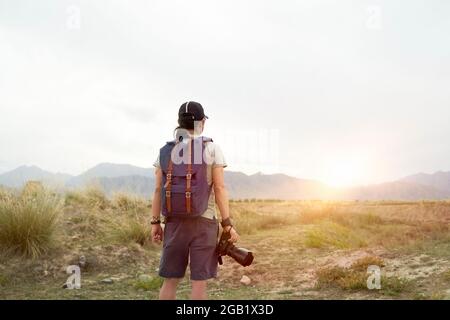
(185,189)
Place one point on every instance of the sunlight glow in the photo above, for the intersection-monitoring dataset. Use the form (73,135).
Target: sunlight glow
(346,172)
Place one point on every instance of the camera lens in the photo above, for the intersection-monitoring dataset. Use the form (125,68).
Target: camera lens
(242,256)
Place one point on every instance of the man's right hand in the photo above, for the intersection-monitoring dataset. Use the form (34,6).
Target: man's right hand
(234,236)
(157,233)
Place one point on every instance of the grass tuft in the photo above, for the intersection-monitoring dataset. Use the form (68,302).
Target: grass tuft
(3,280)
(329,276)
(4,193)
(355,278)
(133,229)
(148,283)
(28,221)
(127,202)
(394,286)
(363,263)
(91,196)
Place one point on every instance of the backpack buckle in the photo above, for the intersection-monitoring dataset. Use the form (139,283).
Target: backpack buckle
(168,194)
(169,176)
(188,194)
(188,176)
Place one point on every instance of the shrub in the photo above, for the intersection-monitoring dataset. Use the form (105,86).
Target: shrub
(133,229)
(355,278)
(32,189)
(28,221)
(96,197)
(90,222)
(127,202)
(394,286)
(148,283)
(3,280)
(4,194)
(329,276)
(74,197)
(91,196)
(363,263)
(346,279)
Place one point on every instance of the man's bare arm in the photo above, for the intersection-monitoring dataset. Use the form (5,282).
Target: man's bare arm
(157,232)
(222,201)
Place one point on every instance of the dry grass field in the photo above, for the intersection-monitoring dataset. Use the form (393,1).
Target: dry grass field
(303,249)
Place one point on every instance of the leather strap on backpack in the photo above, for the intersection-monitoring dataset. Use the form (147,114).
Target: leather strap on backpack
(188,178)
(168,185)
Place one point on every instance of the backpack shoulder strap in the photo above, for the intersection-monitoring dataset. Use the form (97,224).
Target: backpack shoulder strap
(167,150)
(172,142)
(206,139)
(165,153)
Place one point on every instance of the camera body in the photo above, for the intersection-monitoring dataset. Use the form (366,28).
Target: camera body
(226,248)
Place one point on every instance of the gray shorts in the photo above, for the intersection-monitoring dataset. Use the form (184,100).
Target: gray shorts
(193,241)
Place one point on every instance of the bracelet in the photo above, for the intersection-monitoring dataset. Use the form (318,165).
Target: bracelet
(155,220)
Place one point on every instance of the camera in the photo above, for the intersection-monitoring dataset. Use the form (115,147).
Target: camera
(226,248)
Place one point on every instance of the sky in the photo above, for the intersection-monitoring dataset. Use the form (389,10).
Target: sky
(346,92)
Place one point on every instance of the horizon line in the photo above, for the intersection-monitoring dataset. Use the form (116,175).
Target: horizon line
(247,174)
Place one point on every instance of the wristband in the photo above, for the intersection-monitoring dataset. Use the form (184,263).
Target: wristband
(226,222)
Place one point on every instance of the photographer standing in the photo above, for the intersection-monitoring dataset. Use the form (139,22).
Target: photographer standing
(189,181)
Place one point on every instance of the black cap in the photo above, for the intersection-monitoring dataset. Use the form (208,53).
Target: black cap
(193,109)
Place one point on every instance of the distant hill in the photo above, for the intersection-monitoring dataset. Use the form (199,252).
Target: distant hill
(128,178)
(439,180)
(109,170)
(19,176)
(140,185)
(396,190)
(239,185)
(273,186)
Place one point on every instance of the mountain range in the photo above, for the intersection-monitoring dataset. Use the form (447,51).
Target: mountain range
(128,178)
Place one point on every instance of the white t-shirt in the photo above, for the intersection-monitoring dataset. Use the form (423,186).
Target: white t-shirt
(215,158)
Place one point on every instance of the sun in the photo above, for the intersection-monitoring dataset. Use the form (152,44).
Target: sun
(345,172)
